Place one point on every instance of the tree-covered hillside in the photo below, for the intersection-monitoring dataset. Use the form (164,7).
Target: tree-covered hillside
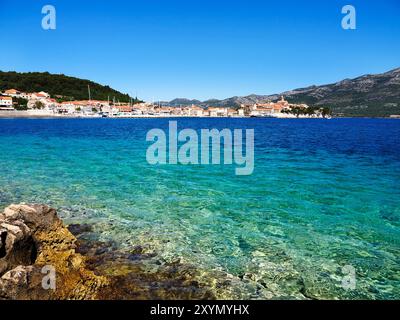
(59,85)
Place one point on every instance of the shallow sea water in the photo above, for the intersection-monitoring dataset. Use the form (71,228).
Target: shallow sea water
(324,194)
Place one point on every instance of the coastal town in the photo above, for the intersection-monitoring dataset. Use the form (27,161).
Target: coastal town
(41,104)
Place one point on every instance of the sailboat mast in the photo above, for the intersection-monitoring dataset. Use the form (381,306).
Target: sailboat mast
(90,99)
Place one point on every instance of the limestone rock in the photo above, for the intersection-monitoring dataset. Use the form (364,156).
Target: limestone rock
(31,238)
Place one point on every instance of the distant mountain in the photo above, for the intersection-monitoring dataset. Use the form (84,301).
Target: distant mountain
(59,85)
(369,95)
(184,102)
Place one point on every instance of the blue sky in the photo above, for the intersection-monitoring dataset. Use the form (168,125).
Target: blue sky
(199,48)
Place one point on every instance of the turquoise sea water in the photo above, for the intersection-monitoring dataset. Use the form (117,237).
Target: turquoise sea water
(324,194)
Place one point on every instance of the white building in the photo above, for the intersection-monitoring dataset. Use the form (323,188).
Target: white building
(6,103)
(17,94)
(12,93)
(218,111)
(195,111)
(44,94)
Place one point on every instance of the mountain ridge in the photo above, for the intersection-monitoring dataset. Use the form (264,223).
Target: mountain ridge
(366,95)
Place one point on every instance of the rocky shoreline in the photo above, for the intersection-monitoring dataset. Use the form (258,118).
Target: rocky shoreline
(34,241)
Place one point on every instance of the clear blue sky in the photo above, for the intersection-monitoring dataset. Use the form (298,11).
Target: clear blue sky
(199,48)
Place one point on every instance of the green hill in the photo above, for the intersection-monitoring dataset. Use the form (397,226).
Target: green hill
(58,85)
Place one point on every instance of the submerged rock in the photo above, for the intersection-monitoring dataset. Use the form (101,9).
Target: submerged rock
(34,242)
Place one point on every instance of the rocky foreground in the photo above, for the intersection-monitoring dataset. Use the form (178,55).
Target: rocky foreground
(42,259)
(34,242)
(32,237)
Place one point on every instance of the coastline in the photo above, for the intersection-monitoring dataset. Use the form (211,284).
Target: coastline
(38,115)
(34,239)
